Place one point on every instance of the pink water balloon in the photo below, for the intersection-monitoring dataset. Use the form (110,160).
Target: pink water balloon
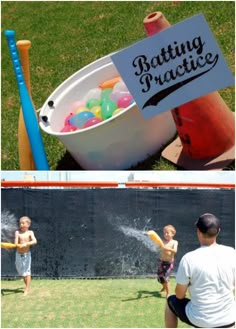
(67,129)
(124,101)
(66,121)
(91,122)
(74,106)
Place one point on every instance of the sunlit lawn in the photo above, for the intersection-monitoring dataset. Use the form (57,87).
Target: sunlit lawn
(108,303)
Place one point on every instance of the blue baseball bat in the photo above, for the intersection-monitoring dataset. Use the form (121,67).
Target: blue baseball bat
(30,118)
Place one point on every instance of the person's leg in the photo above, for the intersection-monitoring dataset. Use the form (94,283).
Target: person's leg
(161,272)
(27,280)
(19,264)
(167,288)
(175,309)
(167,268)
(171,320)
(160,276)
(27,272)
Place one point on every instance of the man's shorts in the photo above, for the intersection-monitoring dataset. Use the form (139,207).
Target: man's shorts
(177,306)
(23,263)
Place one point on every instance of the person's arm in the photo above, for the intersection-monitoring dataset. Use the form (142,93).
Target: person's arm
(175,247)
(183,276)
(33,240)
(181,290)
(16,238)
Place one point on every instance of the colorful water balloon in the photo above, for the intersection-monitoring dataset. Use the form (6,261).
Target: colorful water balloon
(108,107)
(68,128)
(115,95)
(109,99)
(117,111)
(96,110)
(66,121)
(121,86)
(78,120)
(81,109)
(91,122)
(106,94)
(76,105)
(92,102)
(124,101)
(93,93)
(110,83)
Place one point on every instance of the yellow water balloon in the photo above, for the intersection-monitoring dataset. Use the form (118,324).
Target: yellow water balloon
(96,110)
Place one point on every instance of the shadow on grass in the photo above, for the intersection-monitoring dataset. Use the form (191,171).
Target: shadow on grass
(5,292)
(151,163)
(67,162)
(144,294)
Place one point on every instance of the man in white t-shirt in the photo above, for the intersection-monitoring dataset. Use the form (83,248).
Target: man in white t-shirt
(208,274)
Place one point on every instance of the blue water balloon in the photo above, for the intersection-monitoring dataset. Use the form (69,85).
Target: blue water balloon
(78,120)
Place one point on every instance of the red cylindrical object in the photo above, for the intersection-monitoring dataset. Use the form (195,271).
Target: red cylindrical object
(57,184)
(180,185)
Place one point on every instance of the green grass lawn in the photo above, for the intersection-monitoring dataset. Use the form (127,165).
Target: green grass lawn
(66,36)
(117,303)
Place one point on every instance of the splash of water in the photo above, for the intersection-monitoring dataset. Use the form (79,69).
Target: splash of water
(140,236)
(134,232)
(119,220)
(9,224)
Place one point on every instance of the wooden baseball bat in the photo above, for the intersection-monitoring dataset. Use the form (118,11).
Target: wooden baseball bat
(8,245)
(26,160)
(155,238)
(30,119)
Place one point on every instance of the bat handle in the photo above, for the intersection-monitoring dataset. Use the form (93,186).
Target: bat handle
(10,35)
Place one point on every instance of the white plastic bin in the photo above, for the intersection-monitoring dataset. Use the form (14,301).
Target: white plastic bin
(114,144)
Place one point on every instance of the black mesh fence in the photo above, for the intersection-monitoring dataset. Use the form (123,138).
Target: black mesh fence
(89,233)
